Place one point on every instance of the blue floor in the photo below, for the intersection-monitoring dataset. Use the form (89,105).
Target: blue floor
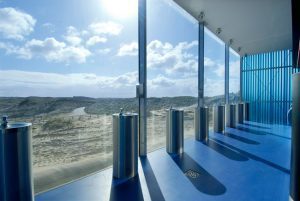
(251,162)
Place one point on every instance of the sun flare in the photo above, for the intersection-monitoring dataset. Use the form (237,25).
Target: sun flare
(121,8)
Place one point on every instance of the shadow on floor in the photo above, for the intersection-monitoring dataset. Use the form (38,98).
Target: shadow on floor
(198,176)
(256,132)
(254,157)
(225,151)
(240,138)
(153,186)
(126,191)
(251,131)
(256,126)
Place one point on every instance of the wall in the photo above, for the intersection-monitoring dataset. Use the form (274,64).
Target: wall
(266,85)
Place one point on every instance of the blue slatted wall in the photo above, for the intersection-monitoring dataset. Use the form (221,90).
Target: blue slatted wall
(266,85)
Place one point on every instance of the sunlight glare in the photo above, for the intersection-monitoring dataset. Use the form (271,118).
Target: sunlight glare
(121,8)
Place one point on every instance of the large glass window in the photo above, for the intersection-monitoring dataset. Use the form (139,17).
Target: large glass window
(214,72)
(172,63)
(67,66)
(234,76)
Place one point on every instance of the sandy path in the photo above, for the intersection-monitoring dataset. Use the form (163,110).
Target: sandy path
(78,111)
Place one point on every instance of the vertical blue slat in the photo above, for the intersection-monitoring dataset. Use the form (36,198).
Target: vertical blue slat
(276,88)
(256,86)
(267,85)
(280,88)
(285,86)
(257,72)
(271,90)
(264,89)
(283,89)
(274,91)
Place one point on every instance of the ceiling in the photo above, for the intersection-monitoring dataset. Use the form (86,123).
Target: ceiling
(255,26)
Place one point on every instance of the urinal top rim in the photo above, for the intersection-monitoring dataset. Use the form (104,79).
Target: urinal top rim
(17,125)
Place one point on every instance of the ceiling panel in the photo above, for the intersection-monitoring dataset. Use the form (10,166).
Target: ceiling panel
(255,26)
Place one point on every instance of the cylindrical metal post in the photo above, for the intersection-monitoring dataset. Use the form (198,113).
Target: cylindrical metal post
(246,110)
(2,190)
(125,145)
(175,131)
(16,157)
(201,123)
(240,113)
(219,119)
(231,115)
(295,157)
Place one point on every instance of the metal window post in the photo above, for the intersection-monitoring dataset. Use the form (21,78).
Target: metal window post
(226,73)
(142,30)
(201,113)
(241,79)
(201,65)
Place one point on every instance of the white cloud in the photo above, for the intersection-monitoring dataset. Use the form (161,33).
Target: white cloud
(53,50)
(128,79)
(15,24)
(220,70)
(234,79)
(172,59)
(50,49)
(97,32)
(161,81)
(100,28)
(128,49)
(75,46)
(73,36)
(165,86)
(213,87)
(208,62)
(95,40)
(22,83)
(12,49)
(234,70)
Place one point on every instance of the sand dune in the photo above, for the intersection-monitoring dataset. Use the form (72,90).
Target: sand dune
(67,146)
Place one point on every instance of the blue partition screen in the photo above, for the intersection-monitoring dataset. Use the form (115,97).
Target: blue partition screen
(267,85)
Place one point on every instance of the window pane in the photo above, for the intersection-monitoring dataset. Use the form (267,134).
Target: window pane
(67,67)
(172,62)
(214,69)
(234,76)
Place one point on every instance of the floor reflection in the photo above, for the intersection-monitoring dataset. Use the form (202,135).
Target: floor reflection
(199,177)
(153,186)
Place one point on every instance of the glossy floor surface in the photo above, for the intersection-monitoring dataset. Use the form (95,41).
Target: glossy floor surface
(251,162)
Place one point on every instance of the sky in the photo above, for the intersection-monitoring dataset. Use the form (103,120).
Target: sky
(89,48)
